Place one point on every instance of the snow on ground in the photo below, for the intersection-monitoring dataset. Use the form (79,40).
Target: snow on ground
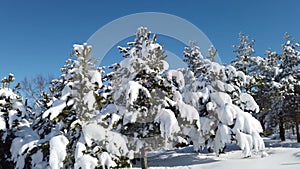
(280,155)
(285,158)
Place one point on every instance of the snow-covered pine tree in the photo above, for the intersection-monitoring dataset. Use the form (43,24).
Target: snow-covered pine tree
(225,111)
(244,51)
(246,62)
(279,74)
(69,134)
(212,53)
(14,124)
(145,107)
(193,57)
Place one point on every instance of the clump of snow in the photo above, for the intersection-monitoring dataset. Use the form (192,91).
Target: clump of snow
(130,116)
(86,162)
(67,91)
(2,122)
(220,98)
(189,113)
(245,142)
(206,126)
(245,122)
(89,100)
(25,140)
(131,91)
(82,50)
(186,111)
(128,63)
(37,160)
(215,68)
(222,137)
(7,93)
(168,123)
(165,66)
(231,71)
(226,114)
(177,76)
(18,106)
(192,98)
(57,151)
(242,77)
(106,161)
(248,103)
(258,143)
(80,147)
(205,94)
(55,110)
(115,143)
(12,114)
(96,77)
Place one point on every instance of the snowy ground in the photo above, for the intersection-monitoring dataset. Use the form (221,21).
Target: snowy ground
(281,155)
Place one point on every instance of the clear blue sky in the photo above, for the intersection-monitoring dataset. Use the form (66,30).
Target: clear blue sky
(36,36)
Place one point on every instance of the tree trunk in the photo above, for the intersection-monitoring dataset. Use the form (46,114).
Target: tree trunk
(298,134)
(281,129)
(144,161)
(297,127)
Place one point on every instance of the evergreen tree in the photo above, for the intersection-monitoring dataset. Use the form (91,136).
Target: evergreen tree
(280,75)
(14,124)
(251,65)
(146,107)
(244,51)
(248,63)
(68,131)
(194,58)
(212,53)
(224,109)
